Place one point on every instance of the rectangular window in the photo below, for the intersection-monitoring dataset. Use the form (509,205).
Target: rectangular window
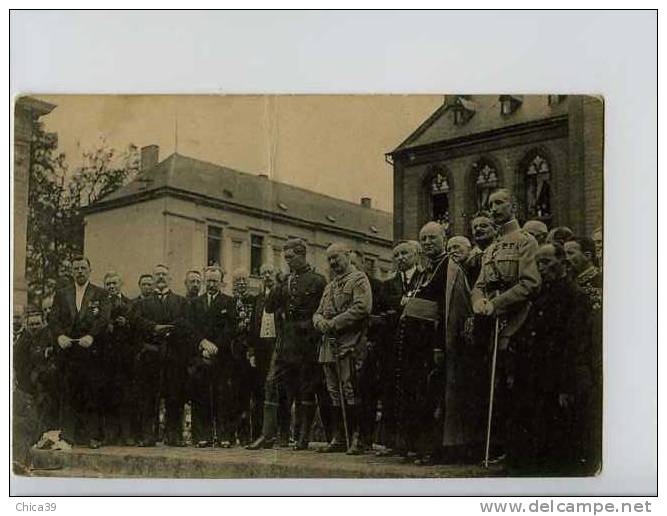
(214,246)
(256,254)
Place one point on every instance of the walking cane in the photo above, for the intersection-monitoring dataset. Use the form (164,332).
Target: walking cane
(492,389)
(340,391)
(214,424)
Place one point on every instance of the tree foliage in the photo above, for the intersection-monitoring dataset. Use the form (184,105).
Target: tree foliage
(57,198)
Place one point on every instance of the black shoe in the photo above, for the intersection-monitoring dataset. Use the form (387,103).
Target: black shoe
(262,443)
(175,443)
(388,452)
(333,447)
(356,448)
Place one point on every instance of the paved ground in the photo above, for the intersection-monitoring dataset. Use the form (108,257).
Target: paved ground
(163,462)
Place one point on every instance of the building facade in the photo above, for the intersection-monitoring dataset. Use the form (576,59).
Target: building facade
(27,111)
(188,213)
(547,149)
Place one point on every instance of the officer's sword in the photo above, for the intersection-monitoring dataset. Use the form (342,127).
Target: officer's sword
(340,390)
(491,393)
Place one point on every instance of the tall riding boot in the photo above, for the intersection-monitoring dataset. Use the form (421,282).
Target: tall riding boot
(353,417)
(337,443)
(327,415)
(306,414)
(269,424)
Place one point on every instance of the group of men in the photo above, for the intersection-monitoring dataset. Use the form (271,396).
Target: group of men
(463,354)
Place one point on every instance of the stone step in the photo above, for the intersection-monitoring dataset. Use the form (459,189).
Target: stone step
(165,462)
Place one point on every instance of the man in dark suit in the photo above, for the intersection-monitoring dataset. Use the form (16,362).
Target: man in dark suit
(146,286)
(261,348)
(396,288)
(34,370)
(192,284)
(551,355)
(120,412)
(212,316)
(238,372)
(79,319)
(163,359)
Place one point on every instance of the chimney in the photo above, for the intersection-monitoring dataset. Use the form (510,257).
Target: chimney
(366,202)
(149,156)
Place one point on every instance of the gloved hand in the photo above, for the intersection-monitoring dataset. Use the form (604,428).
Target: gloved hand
(208,348)
(86,341)
(483,307)
(64,341)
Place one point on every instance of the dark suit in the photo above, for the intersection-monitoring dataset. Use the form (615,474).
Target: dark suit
(162,364)
(120,350)
(394,288)
(81,369)
(35,374)
(239,374)
(214,322)
(261,348)
(370,373)
(550,354)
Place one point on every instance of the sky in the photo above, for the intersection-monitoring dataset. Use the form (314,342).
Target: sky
(334,145)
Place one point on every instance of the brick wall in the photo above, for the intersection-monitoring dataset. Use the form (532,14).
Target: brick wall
(573,145)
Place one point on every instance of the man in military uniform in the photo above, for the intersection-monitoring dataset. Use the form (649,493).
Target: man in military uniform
(342,319)
(484,233)
(507,281)
(119,403)
(213,323)
(166,349)
(581,253)
(550,373)
(368,377)
(79,320)
(294,368)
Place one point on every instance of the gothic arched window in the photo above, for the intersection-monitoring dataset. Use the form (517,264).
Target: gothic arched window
(538,188)
(438,195)
(486,181)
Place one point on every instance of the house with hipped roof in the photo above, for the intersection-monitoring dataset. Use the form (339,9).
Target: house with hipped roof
(188,213)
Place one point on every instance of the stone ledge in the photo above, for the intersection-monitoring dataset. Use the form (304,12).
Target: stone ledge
(163,462)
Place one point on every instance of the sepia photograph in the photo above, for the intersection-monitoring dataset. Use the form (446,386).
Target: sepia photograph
(308,286)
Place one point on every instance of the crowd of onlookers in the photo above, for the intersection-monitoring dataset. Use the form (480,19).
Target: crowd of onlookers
(483,350)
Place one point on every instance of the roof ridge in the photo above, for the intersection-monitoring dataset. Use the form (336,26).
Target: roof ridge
(260,180)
